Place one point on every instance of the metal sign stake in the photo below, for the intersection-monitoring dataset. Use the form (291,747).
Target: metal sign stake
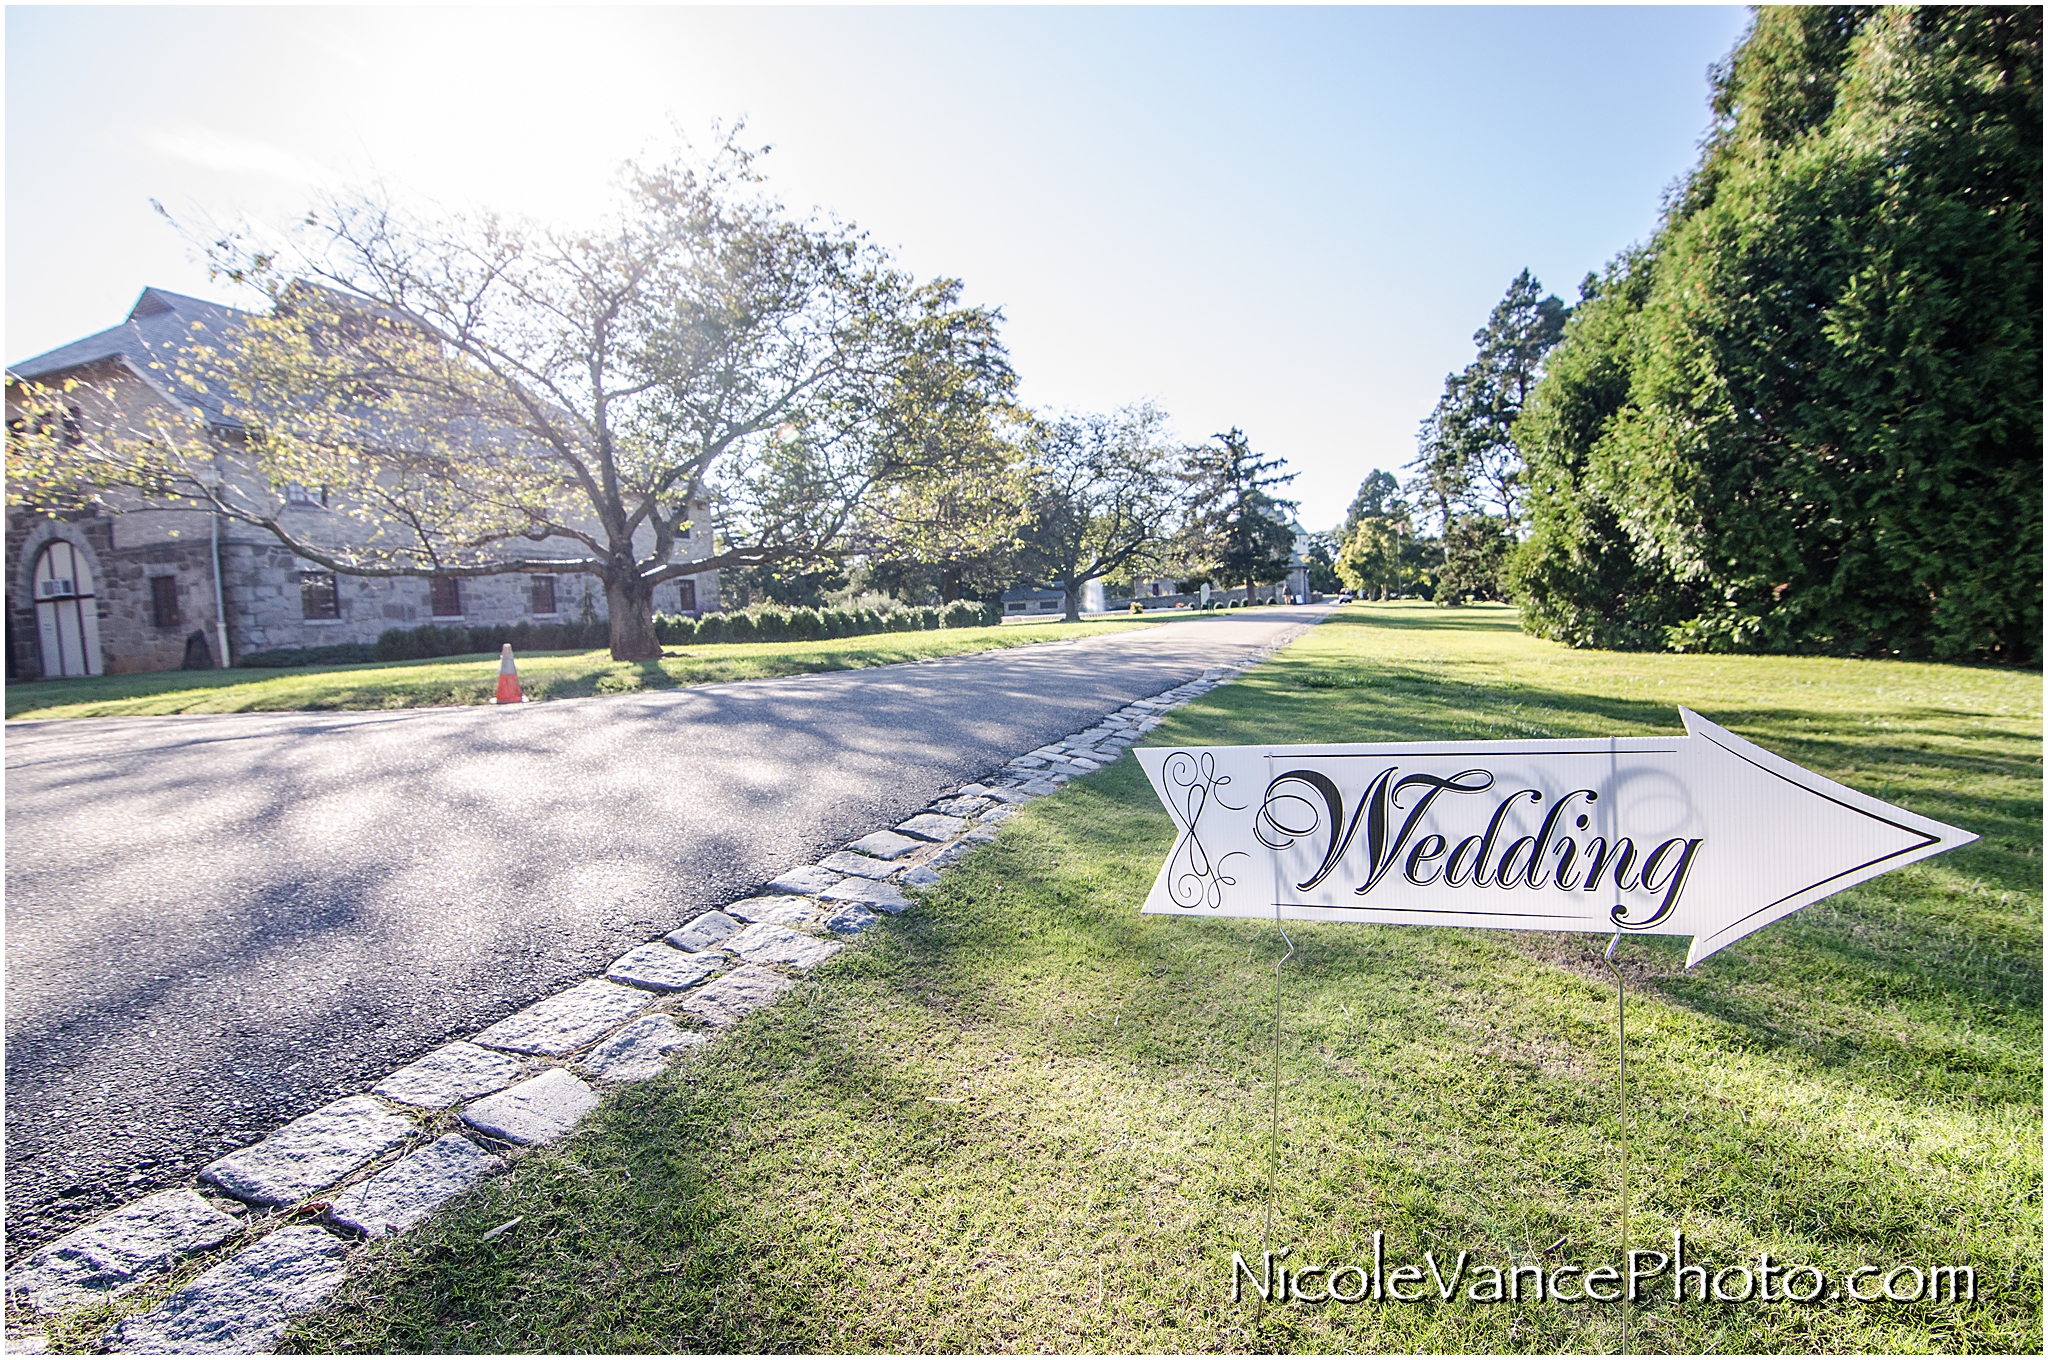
(1273,1163)
(1621,1111)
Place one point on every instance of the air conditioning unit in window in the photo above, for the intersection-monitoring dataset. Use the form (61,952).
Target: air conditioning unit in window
(54,587)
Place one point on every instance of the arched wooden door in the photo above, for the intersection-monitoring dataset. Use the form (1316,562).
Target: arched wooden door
(67,614)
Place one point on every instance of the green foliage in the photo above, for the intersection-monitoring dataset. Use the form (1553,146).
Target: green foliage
(1379,497)
(1384,558)
(1381,554)
(1237,523)
(1475,553)
(1321,561)
(970,614)
(791,583)
(1104,498)
(1468,466)
(468,385)
(1808,416)
(1466,461)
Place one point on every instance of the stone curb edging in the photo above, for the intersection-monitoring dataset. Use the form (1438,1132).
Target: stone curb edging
(382,1162)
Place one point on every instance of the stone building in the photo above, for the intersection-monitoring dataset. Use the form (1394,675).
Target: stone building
(149,589)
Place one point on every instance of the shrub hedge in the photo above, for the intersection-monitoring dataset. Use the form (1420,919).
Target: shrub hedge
(340,654)
(430,640)
(774,623)
(770,623)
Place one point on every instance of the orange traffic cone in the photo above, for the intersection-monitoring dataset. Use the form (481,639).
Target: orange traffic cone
(508,679)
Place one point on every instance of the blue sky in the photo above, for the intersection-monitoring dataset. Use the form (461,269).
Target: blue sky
(1289,220)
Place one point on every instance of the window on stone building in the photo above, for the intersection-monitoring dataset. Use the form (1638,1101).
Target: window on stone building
(543,594)
(294,494)
(163,601)
(689,601)
(445,595)
(318,598)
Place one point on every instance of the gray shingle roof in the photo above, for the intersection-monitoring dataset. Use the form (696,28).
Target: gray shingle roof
(159,325)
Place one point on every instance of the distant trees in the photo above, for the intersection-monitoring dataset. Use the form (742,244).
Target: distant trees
(1104,494)
(1320,560)
(1379,497)
(1807,415)
(1468,468)
(1382,554)
(1235,521)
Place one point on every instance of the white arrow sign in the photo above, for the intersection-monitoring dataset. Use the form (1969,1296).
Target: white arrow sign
(1703,835)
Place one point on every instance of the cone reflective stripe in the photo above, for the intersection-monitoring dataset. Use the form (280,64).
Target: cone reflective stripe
(508,679)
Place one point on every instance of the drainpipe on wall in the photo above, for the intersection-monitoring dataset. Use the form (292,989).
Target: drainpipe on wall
(220,608)
(220,613)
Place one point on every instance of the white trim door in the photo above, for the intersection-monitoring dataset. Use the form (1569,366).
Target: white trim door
(67,612)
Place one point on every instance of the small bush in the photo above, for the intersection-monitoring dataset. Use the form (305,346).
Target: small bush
(804,624)
(675,629)
(740,627)
(413,644)
(1137,608)
(972,614)
(771,623)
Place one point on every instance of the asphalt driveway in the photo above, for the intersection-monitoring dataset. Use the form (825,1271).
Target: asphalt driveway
(216,924)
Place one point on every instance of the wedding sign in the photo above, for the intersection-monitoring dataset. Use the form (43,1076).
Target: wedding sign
(1704,835)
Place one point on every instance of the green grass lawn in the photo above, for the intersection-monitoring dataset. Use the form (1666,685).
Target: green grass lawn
(1023,1117)
(542,675)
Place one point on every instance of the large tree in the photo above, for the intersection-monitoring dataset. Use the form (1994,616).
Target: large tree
(486,396)
(1468,468)
(1105,496)
(1236,522)
(1380,552)
(1379,497)
(1466,459)
(1807,416)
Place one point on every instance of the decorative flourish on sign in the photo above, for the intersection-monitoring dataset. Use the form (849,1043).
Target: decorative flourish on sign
(1192,878)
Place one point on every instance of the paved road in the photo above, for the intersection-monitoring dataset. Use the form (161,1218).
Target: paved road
(216,924)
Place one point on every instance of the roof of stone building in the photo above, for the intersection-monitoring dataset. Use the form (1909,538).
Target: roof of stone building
(159,325)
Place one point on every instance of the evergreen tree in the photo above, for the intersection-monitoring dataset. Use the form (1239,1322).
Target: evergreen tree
(1379,496)
(1237,523)
(1467,465)
(1808,416)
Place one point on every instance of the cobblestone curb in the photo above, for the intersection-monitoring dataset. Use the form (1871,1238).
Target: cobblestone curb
(380,1163)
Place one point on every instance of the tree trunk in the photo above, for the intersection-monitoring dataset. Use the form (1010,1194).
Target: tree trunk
(950,591)
(1073,600)
(631,602)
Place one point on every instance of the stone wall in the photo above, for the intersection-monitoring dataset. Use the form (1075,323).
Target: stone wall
(130,639)
(266,609)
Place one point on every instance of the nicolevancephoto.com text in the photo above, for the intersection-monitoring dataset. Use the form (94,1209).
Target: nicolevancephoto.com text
(1646,1275)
